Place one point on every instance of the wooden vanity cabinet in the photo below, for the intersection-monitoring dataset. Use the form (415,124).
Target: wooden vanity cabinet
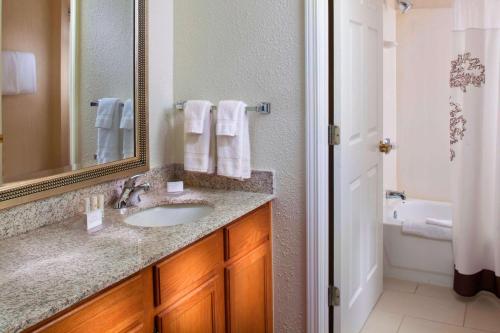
(222,283)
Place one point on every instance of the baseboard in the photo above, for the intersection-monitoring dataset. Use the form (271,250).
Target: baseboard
(418,276)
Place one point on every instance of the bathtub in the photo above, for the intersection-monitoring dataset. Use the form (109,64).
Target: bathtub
(415,258)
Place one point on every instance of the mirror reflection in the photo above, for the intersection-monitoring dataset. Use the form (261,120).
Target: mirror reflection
(67,86)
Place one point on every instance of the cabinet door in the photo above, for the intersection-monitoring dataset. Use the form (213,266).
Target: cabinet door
(249,292)
(119,310)
(200,311)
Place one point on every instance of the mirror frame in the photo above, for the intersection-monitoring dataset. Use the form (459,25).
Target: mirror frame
(35,189)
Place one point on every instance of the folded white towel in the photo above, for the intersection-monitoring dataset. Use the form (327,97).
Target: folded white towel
(127,125)
(439,222)
(127,120)
(9,73)
(233,141)
(422,229)
(106,112)
(19,73)
(194,116)
(199,142)
(108,130)
(227,118)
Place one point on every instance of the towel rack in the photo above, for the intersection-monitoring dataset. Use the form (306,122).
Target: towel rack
(263,108)
(96,103)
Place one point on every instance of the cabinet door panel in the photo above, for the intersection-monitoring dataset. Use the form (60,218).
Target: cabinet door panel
(248,233)
(249,292)
(178,274)
(118,310)
(200,311)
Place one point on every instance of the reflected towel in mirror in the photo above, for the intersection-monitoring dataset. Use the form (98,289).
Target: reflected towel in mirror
(19,73)
(108,130)
(127,125)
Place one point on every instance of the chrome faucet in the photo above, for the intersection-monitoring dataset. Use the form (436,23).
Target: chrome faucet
(390,194)
(129,188)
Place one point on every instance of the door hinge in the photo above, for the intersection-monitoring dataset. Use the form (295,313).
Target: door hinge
(333,296)
(333,135)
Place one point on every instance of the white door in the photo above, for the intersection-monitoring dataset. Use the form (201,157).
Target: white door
(358,68)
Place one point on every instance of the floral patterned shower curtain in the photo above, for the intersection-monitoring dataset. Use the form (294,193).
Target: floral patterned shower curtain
(475,145)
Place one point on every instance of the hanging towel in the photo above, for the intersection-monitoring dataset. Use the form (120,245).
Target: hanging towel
(228,118)
(233,140)
(127,125)
(439,222)
(195,113)
(19,73)
(108,131)
(199,143)
(422,229)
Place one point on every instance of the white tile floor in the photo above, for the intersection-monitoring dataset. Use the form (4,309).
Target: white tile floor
(408,307)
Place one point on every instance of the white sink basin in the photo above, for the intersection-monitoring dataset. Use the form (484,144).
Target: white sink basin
(167,216)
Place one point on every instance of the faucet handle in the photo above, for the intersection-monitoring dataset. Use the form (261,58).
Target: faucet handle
(133,180)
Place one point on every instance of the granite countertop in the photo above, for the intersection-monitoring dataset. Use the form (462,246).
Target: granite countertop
(51,268)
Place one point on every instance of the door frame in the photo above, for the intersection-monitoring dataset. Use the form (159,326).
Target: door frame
(317,162)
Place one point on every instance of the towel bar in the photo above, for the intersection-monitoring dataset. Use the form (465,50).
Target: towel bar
(264,107)
(96,103)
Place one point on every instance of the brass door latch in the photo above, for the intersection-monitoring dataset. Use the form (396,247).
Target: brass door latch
(385,146)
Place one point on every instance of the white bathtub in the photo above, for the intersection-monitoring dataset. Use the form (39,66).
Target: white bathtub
(415,258)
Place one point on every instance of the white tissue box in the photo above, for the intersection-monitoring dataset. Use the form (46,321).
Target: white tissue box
(175,187)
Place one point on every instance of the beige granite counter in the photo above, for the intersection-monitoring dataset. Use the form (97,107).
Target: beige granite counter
(51,268)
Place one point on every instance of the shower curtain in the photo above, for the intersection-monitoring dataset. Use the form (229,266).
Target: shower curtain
(475,145)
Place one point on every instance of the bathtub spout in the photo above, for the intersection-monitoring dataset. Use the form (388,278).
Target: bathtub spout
(389,194)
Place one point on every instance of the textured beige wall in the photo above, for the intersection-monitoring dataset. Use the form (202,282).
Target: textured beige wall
(390,107)
(423,65)
(433,3)
(162,143)
(253,51)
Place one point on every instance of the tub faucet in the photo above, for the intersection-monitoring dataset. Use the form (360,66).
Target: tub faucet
(390,194)
(129,188)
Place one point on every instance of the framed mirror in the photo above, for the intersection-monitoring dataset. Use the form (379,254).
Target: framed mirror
(74,99)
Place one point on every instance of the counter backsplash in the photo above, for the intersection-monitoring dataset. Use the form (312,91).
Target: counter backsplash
(27,217)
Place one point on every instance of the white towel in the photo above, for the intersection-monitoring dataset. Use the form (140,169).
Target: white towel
(228,118)
(127,125)
(9,74)
(439,222)
(233,140)
(422,229)
(19,73)
(108,131)
(106,112)
(195,113)
(199,143)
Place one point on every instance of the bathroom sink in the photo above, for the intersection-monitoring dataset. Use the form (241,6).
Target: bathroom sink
(167,216)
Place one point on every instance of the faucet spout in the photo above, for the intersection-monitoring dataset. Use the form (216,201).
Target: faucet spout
(390,194)
(129,188)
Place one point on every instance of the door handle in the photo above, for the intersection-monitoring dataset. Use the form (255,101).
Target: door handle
(1,138)
(385,146)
